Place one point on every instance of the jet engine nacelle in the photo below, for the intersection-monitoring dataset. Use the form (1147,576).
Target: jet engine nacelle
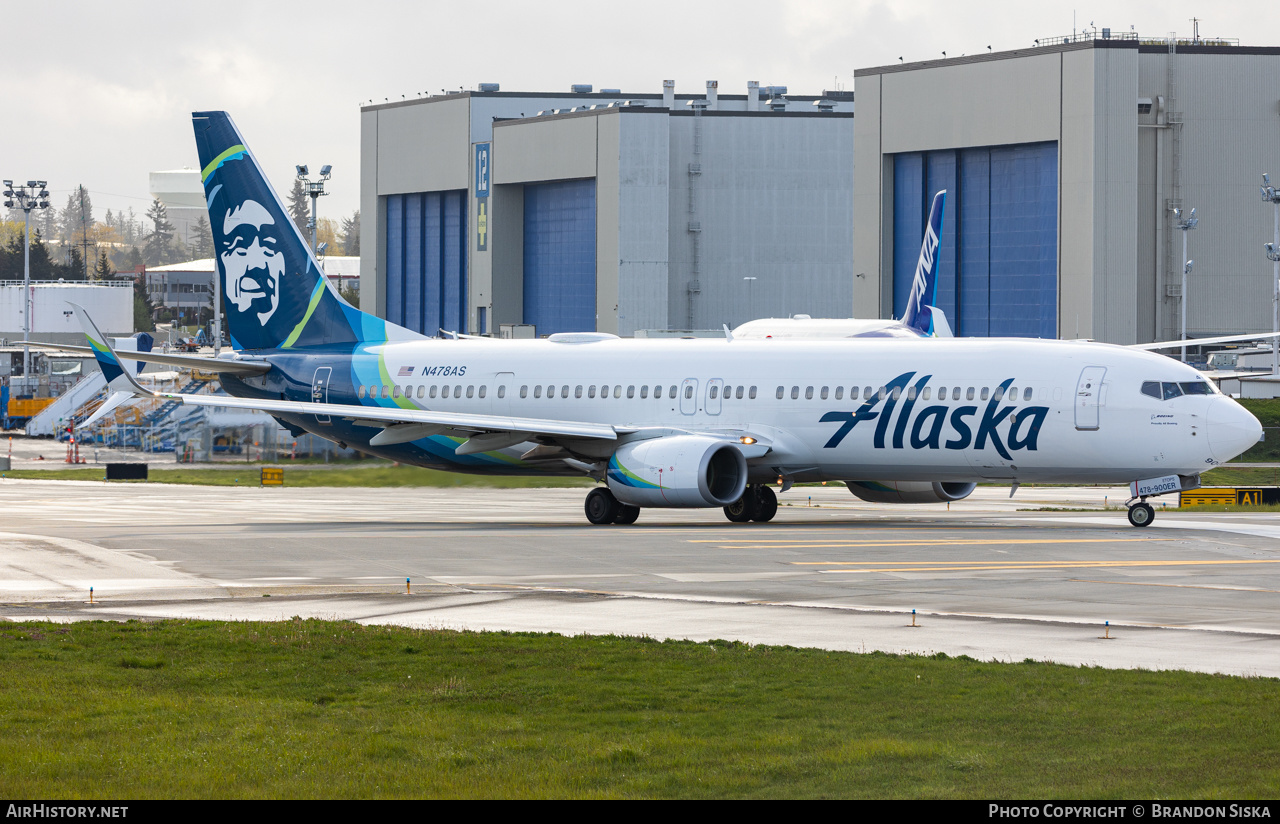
(678,471)
(909,492)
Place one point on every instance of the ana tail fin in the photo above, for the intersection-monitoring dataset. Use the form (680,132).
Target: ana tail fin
(924,287)
(275,294)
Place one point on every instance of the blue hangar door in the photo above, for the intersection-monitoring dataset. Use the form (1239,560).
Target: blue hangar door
(560,256)
(427,261)
(998,264)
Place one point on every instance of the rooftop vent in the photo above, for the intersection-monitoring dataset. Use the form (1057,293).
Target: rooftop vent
(611,91)
(489,87)
(825,105)
(773,91)
(778,104)
(580,88)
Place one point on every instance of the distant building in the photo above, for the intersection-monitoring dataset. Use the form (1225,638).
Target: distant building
(189,285)
(182,194)
(606,211)
(52,319)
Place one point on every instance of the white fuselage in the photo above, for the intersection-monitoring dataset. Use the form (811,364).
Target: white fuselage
(1013,409)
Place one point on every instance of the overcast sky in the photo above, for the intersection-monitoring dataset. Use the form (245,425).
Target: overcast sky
(103,93)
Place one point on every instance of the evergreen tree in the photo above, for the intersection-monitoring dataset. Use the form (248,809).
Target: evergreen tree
(143,308)
(73,269)
(103,269)
(351,234)
(156,251)
(299,208)
(49,222)
(202,247)
(77,218)
(135,259)
(42,267)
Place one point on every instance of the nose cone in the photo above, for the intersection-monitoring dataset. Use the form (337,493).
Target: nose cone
(1232,429)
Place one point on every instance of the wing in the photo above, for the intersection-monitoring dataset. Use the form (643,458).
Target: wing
(1174,344)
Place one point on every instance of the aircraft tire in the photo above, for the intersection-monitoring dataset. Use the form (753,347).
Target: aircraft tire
(744,509)
(1141,514)
(766,504)
(601,507)
(627,514)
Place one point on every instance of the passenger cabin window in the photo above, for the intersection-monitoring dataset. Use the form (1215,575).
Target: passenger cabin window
(808,393)
(577,391)
(422,390)
(1026,394)
(502,391)
(644,391)
(795,392)
(911,393)
(524,391)
(672,393)
(564,391)
(591,391)
(839,392)
(631,391)
(969,394)
(431,393)
(617,391)
(823,394)
(853,393)
(688,392)
(928,390)
(780,391)
(985,390)
(657,392)
(713,392)
(537,391)
(360,391)
(483,388)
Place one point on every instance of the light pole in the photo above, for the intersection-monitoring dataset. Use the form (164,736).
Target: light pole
(314,190)
(1186,225)
(1270,195)
(32,196)
(751,309)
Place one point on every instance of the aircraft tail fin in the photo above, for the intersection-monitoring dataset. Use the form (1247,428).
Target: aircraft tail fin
(117,374)
(920,312)
(276,295)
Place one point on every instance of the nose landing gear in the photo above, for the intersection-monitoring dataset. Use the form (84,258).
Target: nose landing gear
(1141,514)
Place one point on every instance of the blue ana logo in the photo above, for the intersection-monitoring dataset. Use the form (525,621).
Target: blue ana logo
(925,429)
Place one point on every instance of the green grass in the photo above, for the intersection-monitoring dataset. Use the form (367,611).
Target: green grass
(1268,412)
(381,475)
(332,709)
(1241,476)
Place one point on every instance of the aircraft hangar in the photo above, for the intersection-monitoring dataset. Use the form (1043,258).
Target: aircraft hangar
(628,213)
(607,212)
(1063,164)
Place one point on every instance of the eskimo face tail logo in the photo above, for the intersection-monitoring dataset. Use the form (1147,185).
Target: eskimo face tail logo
(252,260)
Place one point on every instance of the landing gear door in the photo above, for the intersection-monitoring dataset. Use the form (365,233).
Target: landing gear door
(689,396)
(320,389)
(1088,397)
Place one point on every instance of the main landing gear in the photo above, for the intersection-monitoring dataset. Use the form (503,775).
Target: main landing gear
(1141,513)
(758,503)
(602,508)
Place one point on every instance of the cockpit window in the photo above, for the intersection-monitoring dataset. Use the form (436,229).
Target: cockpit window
(1151,388)
(1171,390)
(1196,388)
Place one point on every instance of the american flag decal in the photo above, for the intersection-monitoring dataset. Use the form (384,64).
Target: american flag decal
(405,371)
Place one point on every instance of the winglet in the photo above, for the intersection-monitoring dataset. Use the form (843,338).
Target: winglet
(118,377)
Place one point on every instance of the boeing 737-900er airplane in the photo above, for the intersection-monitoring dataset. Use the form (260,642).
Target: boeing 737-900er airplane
(900,415)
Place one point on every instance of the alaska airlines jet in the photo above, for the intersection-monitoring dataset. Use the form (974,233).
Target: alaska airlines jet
(684,423)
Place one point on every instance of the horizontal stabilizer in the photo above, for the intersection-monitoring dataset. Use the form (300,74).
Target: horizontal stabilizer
(219,365)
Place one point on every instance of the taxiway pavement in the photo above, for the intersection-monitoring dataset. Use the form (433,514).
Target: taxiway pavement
(987,578)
